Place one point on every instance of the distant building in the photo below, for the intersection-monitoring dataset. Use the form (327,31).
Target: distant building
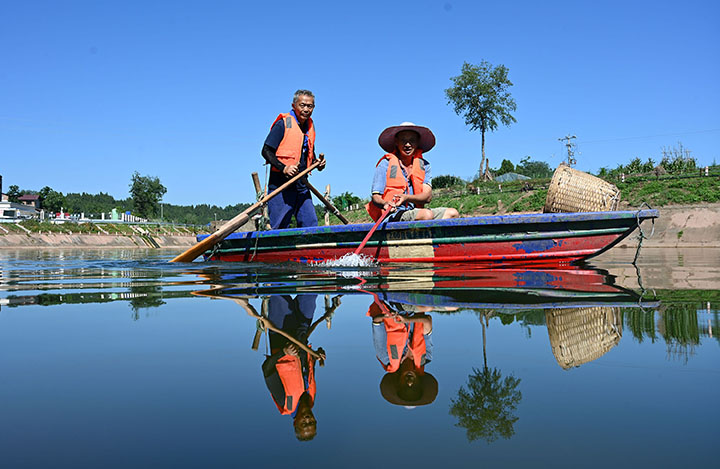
(507,177)
(13,210)
(31,200)
(22,210)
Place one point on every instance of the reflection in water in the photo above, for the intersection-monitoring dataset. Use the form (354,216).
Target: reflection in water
(417,313)
(581,335)
(485,409)
(289,370)
(485,406)
(403,346)
(289,366)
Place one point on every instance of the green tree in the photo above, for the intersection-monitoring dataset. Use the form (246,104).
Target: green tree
(53,201)
(480,94)
(146,192)
(506,167)
(444,180)
(345,200)
(533,169)
(14,193)
(43,194)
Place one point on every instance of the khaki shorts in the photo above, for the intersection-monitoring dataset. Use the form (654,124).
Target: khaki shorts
(409,215)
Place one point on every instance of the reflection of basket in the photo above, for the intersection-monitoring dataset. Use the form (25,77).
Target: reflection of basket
(574,191)
(581,335)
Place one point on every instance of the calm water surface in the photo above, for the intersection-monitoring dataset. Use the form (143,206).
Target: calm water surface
(120,359)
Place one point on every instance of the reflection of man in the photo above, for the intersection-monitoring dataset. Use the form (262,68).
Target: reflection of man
(290,371)
(403,346)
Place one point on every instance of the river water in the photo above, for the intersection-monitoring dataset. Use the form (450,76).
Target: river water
(117,358)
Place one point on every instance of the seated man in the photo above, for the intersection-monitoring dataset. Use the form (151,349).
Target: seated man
(402,179)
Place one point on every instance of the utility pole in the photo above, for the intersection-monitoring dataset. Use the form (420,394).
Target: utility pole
(570,145)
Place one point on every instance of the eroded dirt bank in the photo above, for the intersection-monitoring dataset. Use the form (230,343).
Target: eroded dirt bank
(682,226)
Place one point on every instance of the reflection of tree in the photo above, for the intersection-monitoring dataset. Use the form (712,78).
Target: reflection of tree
(485,409)
(147,296)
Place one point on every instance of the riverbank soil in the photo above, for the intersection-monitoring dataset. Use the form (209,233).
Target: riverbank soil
(681,226)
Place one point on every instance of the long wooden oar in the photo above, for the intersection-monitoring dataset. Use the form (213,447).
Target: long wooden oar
(327,203)
(232,225)
(385,213)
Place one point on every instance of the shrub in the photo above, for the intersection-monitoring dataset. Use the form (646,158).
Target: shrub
(440,182)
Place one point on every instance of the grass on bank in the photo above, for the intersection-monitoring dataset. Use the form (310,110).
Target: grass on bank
(490,198)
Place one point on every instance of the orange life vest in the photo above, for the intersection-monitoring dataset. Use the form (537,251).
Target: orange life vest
(290,148)
(289,369)
(395,182)
(397,337)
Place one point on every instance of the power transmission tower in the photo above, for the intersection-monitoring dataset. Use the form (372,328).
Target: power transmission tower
(570,145)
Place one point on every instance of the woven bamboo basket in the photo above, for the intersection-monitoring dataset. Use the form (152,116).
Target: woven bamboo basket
(574,191)
(581,335)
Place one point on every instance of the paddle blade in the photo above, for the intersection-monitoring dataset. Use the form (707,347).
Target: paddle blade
(196,250)
(218,236)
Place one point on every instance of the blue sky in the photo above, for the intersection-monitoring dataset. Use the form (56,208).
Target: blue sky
(186,91)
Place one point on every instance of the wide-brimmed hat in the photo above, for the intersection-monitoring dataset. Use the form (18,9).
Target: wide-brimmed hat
(387,137)
(428,389)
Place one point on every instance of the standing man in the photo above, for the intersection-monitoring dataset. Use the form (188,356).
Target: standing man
(402,177)
(289,149)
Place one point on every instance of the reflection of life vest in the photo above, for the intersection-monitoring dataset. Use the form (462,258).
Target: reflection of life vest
(397,336)
(290,148)
(395,182)
(289,370)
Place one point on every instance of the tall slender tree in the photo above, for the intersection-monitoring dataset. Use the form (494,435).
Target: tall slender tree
(481,95)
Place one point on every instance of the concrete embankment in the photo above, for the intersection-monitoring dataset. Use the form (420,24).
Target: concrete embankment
(80,240)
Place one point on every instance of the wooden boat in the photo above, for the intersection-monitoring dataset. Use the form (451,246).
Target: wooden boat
(544,238)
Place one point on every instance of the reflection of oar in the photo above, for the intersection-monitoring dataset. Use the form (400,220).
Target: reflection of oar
(235,223)
(245,304)
(271,327)
(385,213)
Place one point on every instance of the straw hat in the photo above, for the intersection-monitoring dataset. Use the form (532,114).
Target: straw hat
(387,137)
(426,391)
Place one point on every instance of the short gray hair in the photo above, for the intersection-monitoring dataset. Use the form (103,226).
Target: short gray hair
(299,93)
